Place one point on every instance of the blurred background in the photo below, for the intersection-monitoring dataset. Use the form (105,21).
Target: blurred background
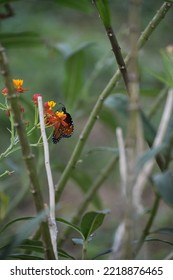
(60,49)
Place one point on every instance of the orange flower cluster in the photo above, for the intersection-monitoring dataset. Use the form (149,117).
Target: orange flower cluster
(61,121)
(17,85)
(52,118)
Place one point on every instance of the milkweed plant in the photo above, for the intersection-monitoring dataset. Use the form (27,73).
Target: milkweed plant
(142,154)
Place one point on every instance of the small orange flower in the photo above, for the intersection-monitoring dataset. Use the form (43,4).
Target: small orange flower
(49,105)
(61,116)
(18,85)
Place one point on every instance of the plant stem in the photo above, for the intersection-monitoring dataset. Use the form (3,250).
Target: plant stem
(26,151)
(147,168)
(104,94)
(134,138)
(113,40)
(159,16)
(148,225)
(157,199)
(52,221)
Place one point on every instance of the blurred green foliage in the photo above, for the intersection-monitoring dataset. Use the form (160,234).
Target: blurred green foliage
(60,50)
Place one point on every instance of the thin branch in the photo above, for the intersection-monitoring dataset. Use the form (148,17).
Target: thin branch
(157,102)
(104,94)
(147,169)
(52,220)
(159,16)
(26,151)
(122,159)
(113,41)
(148,225)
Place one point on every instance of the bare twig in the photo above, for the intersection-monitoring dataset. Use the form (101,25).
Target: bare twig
(147,168)
(122,159)
(52,220)
(104,12)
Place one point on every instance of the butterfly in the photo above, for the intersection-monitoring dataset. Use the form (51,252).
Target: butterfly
(63,131)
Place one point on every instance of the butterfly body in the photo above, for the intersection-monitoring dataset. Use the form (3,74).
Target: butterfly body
(65,129)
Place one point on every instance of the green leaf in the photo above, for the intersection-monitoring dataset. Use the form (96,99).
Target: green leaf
(23,232)
(150,154)
(103,9)
(164,80)
(119,102)
(74,75)
(92,221)
(149,130)
(21,39)
(64,254)
(108,251)
(32,245)
(164,186)
(82,5)
(167,230)
(14,221)
(104,149)
(60,220)
(160,240)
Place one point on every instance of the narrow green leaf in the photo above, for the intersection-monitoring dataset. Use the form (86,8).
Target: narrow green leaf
(64,254)
(14,221)
(33,246)
(74,75)
(150,154)
(82,5)
(164,186)
(149,130)
(159,240)
(104,149)
(60,220)
(92,221)
(167,230)
(23,232)
(21,39)
(165,80)
(103,9)
(108,251)
(119,103)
